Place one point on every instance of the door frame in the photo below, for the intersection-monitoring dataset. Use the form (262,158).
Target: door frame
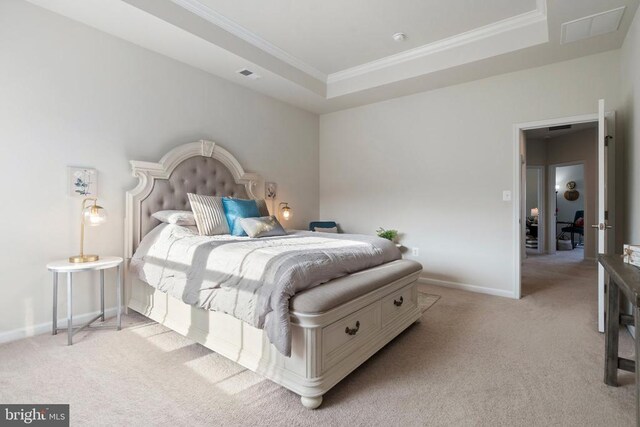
(518,162)
(542,208)
(551,195)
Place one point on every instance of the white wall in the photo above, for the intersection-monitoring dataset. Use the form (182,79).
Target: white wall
(74,96)
(630,100)
(434,164)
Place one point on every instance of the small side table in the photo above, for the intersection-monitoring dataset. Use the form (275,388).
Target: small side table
(64,266)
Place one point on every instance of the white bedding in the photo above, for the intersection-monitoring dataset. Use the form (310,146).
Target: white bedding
(252,279)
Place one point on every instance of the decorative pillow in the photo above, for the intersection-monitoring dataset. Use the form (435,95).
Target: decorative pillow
(176,217)
(262,207)
(236,209)
(264,226)
(209,214)
(326,230)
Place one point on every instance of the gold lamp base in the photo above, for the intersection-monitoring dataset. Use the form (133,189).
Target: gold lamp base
(83,258)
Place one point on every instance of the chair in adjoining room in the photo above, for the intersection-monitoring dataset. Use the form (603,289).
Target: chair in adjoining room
(323,226)
(576,228)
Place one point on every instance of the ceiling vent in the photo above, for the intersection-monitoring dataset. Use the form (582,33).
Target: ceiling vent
(248,73)
(561,127)
(590,26)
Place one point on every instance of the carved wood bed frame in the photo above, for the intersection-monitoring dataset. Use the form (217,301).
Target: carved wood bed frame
(326,347)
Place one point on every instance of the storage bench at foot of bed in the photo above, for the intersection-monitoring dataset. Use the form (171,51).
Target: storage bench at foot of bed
(360,314)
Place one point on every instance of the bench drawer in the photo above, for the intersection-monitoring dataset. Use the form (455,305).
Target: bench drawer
(343,337)
(398,303)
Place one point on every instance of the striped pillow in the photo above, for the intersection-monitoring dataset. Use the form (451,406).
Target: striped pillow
(209,213)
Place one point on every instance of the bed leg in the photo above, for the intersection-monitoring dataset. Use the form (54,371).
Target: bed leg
(311,402)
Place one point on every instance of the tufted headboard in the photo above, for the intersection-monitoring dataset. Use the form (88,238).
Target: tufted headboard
(201,167)
(199,175)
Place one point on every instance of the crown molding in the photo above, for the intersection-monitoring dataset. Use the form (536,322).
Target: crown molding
(205,12)
(469,37)
(449,44)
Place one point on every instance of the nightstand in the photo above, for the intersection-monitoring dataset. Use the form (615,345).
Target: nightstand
(64,266)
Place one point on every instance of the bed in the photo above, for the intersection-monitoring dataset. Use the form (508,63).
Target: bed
(331,328)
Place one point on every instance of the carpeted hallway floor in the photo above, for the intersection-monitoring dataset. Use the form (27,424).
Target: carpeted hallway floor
(474,360)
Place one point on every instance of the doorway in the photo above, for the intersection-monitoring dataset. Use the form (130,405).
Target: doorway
(604,185)
(574,190)
(567,156)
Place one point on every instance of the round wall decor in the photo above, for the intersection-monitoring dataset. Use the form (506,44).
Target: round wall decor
(571,185)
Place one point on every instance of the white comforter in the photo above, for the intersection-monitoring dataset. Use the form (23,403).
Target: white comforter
(252,279)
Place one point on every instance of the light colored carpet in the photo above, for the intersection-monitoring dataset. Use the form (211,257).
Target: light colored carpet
(426,301)
(473,360)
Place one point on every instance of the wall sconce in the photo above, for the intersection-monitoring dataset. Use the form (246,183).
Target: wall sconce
(285,210)
(92,216)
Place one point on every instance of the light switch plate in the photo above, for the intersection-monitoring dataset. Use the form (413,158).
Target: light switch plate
(506,196)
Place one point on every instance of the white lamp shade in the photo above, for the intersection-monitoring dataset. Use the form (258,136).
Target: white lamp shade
(534,212)
(94,215)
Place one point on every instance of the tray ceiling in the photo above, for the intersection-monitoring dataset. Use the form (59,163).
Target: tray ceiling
(333,35)
(335,54)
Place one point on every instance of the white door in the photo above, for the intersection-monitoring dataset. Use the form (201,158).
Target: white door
(605,232)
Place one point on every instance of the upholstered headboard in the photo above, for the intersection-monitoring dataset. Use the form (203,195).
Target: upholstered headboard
(201,167)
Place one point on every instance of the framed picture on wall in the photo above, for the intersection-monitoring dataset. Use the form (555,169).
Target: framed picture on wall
(270,190)
(82,182)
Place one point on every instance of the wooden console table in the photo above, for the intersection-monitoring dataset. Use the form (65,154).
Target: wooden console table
(626,278)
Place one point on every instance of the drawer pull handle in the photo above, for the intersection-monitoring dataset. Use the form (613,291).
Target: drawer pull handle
(352,331)
(398,302)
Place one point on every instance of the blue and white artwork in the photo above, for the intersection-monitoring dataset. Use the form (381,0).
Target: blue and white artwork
(83,182)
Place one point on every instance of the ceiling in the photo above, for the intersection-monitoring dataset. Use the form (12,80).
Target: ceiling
(335,54)
(312,31)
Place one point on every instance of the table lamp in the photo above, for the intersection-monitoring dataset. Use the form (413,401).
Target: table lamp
(286,210)
(92,215)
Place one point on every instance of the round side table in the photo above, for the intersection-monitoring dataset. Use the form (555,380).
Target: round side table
(64,266)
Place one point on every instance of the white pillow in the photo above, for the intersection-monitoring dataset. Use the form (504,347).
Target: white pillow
(209,212)
(175,217)
(326,230)
(266,226)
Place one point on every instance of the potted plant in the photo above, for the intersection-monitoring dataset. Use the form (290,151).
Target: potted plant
(391,235)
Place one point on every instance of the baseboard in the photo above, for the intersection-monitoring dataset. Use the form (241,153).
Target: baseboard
(30,331)
(466,287)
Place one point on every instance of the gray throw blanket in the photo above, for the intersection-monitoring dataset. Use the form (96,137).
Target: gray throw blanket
(252,279)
